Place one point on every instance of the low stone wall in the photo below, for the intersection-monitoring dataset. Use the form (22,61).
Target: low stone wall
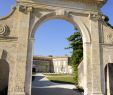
(81,74)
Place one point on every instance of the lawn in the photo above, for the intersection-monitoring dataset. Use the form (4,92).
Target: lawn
(60,78)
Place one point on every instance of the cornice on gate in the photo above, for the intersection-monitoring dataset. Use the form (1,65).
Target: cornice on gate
(83,1)
(72,4)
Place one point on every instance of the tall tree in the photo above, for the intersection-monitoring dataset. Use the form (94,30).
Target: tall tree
(76,44)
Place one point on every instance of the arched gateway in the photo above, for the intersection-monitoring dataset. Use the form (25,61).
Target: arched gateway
(17,34)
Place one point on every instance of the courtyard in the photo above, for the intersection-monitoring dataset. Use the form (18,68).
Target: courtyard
(42,86)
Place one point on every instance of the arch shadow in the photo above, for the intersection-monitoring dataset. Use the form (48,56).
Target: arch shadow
(109,79)
(4,73)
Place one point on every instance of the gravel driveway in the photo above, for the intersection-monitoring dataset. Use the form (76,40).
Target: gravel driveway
(42,86)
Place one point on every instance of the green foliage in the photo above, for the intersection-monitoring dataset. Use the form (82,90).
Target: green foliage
(77,55)
(107,21)
(60,78)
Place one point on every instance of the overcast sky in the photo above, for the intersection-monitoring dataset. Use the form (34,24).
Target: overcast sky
(50,37)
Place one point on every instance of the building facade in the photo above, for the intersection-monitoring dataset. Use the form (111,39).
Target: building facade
(52,64)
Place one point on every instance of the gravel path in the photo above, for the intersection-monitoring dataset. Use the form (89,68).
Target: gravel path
(42,86)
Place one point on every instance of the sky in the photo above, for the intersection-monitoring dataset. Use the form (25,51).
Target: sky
(50,37)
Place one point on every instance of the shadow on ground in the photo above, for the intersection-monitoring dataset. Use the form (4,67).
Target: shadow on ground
(40,82)
(54,91)
(42,86)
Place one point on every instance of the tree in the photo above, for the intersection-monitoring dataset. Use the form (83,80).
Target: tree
(107,21)
(77,55)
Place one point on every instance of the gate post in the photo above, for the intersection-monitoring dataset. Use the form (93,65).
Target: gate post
(28,83)
(96,60)
(87,69)
(22,29)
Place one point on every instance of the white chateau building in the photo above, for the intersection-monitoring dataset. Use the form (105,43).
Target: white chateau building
(52,64)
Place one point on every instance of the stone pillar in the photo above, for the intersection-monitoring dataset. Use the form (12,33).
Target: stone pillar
(87,68)
(12,60)
(28,84)
(95,56)
(23,18)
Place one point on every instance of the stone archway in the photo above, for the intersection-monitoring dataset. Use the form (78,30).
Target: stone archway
(70,17)
(16,37)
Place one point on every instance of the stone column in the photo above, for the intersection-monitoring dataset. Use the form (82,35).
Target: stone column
(12,60)
(87,68)
(28,83)
(23,19)
(95,55)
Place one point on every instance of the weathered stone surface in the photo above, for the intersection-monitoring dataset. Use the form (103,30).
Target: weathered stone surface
(83,1)
(22,24)
(78,4)
(81,74)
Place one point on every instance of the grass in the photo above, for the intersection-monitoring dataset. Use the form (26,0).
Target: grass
(60,78)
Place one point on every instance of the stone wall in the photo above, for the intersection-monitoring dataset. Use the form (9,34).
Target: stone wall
(42,64)
(81,74)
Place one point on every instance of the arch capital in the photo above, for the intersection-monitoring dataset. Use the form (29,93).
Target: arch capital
(25,9)
(98,16)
